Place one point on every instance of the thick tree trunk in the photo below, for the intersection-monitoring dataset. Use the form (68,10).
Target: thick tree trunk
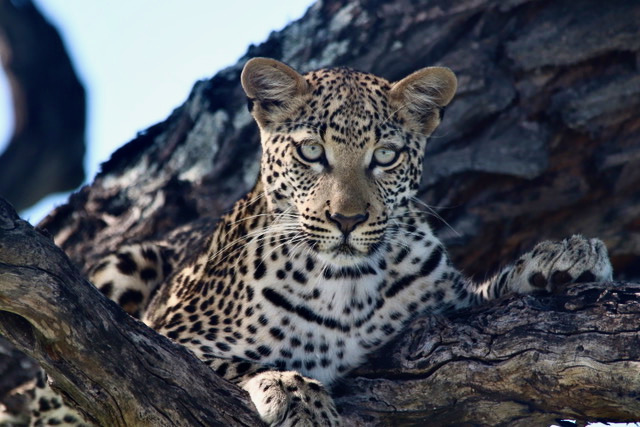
(541,142)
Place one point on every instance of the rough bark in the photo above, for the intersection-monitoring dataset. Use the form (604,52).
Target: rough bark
(46,151)
(113,367)
(525,361)
(541,142)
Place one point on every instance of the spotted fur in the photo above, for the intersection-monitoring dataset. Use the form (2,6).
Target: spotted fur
(328,257)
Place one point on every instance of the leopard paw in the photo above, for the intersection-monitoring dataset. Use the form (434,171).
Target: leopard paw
(288,399)
(552,265)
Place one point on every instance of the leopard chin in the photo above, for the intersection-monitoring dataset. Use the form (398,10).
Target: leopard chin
(345,254)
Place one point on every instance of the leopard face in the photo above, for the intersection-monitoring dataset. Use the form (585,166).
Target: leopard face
(342,152)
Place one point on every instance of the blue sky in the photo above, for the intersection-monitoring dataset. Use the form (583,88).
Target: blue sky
(138,60)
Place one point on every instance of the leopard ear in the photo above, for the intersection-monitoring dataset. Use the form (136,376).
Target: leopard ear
(272,85)
(422,96)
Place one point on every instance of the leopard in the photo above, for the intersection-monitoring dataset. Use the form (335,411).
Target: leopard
(329,256)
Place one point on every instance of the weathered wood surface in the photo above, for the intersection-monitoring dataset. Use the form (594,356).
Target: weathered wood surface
(120,372)
(525,361)
(541,142)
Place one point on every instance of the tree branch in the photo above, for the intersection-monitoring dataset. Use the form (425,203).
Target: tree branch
(527,360)
(117,370)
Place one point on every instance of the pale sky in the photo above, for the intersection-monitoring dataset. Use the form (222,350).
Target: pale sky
(138,60)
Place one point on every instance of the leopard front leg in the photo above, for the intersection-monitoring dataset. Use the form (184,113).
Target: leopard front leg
(286,398)
(554,264)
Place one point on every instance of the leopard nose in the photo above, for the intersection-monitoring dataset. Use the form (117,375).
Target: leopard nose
(345,223)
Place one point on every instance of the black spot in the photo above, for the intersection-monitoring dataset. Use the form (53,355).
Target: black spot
(126,264)
(388,329)
(43,405)
(309,264)
(264,350)
(259,269)
(277,299)
(223,346)
(431,263)
(299,277)
(314,386)
(277,333)
(243,367)
(252,355)
(196,327)
(106,288)
(148,274)
(286,353)
(537,280)
(222,369)
(130,296)
(149,254)
(401,255)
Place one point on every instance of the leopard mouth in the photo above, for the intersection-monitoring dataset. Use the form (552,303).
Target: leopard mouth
(343,253)
(345,248)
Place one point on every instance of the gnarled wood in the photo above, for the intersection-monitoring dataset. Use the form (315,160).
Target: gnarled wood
(526,360)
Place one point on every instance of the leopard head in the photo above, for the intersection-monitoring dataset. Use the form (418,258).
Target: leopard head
(342,151)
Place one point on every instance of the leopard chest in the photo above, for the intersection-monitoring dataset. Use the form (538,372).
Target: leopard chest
(296,314)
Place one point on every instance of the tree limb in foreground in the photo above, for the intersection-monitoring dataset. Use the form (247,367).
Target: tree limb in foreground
(526,360)
(522,361)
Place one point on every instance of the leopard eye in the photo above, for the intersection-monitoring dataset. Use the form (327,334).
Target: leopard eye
(384,156)
(311,152)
